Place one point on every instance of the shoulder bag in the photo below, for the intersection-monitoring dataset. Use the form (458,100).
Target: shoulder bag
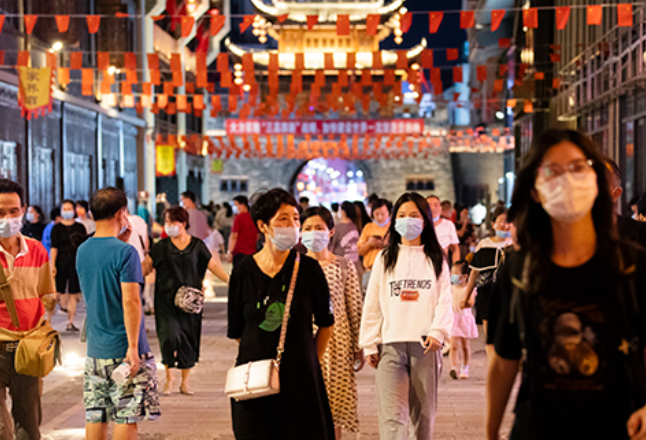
(260,378)
(39,348)
(188,299)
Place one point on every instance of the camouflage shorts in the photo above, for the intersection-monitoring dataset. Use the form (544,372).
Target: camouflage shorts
(133,401)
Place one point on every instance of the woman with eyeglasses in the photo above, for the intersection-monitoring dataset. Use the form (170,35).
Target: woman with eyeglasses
(572,304)
(407,316)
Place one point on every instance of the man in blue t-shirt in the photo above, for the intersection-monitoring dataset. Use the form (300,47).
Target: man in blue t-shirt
(110,274)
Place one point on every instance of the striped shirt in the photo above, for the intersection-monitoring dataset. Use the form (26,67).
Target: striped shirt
(30,277)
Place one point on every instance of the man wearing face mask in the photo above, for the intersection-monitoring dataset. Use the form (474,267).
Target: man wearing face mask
(373,235)
(110,275)
(26,263)
(445,230)
(244,235)
(628,228)
(197,219)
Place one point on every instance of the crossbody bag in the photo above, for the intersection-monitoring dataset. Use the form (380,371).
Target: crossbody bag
(39,348)
(260,378)
(188,299)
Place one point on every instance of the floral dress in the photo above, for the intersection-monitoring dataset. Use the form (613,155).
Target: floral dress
(338,362)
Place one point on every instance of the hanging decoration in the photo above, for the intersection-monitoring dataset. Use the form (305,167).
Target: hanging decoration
(165,160)
(35,91)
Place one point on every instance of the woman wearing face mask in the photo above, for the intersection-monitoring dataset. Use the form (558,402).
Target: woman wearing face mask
(35,224)
(489,255)
(179,260)
(257,295)
(67,236)
(372,237)
(406,318)
(343,349)
(572,299)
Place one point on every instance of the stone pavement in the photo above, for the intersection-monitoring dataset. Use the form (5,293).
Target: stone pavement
(206,414)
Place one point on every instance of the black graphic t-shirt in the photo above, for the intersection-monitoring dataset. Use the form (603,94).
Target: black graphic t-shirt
(577,381)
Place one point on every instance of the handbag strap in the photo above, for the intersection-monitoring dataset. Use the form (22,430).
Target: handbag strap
(288,306)
(6,294)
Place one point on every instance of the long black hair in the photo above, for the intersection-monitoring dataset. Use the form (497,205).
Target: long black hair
(532,221)
(432,247)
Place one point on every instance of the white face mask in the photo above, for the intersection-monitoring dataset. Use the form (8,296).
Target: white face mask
(172,230)
(67,215)
(10,226)
(410,228)
(285,238)
(316,241)
(567,199)
(235,209)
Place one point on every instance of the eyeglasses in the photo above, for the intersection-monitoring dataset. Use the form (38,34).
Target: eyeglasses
(578,169)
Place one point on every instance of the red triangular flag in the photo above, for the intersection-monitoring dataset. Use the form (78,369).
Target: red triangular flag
(62,22)
(451,54)
(406,21)
(217,21)
(93,22)
(76,60)
(130,61)
(30,22)
(282,18)
(188,21)
(496,18)
(2,17)
(539,75)
(467,19)
(530,18)
(372,23)
(498,86)
(427,58)
(555,57)
(481,72)
(153,61)
(377,62)
(247,20)
(343,24)
(562,17)
(504,42)
(528,107)
(457,74)
(595,12)
(434,21)
(102,60)
(556,83)
(312,20)
(625,14)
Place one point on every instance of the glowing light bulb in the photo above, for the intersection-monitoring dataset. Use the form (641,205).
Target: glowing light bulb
(399,40)
(398,32)
(56,47)
(237,66)
(238,81)
(246,87)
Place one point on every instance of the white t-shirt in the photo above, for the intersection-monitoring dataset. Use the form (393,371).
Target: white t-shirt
(139,235)
(446,234)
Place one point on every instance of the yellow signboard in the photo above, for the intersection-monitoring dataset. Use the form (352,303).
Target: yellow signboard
(165,164)
(35,91)
(217,166)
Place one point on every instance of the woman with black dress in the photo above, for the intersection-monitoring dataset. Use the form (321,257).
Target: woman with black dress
(67,236)
(35,224)
(257,295)
(180,260)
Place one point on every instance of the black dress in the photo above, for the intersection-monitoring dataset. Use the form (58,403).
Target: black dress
(301,409)
(33,230)
(178,332)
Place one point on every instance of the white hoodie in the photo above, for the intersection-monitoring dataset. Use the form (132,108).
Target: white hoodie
(406,303)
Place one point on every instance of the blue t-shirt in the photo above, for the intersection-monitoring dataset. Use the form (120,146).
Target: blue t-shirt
(47,237)
(102,264)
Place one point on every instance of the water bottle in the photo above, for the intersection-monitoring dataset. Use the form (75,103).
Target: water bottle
(121,373)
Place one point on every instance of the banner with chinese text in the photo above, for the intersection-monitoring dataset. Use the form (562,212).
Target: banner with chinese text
(165,164)
(34,91)
(299,128)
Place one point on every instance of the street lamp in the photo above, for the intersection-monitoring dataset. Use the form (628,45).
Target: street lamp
(57,46)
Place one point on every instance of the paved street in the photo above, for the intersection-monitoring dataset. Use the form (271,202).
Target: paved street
(206,414)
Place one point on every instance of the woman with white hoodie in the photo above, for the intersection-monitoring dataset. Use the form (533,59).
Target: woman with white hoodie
(406,318)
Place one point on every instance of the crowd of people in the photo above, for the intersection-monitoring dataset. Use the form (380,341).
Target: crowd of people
(556,282)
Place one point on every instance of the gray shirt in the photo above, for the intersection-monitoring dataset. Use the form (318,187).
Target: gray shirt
(199,225)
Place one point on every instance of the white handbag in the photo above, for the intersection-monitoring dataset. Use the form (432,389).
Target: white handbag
(260,378)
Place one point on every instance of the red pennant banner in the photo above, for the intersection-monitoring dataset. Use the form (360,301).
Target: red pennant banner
(299,62)
(282,18)
(427,58)
(406,21)
(103,60)
(87,82)
(351,60)
(93,22)
(312,20)
(2,18)
(62,23)
(217,22)
(328,61)
(530,18)
(389,77)
(556,83)
(625,14)
(436,75)
(496,18)
(343,25)
(555,57)
(467,19)
(63,75)
(434,21)
(372,23)
(594,13)
(176,62)
(562,17)
(481,73)
(30,22)
(503,68)
(247,21)
(402,59)
(76,60)
(222,62)
(451,54)
(23,59)
(377,62)
(457,74)
(153,61)
(512,103)
(130,61)
(539,75)
(188,21)
(528,107)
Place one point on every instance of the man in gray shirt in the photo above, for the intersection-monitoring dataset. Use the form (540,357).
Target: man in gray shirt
(198,223)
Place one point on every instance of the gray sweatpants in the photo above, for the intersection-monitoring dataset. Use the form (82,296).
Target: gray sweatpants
(407,381)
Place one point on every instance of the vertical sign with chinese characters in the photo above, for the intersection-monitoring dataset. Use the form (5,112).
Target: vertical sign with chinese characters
(217,167)
(35,91)
(165,163)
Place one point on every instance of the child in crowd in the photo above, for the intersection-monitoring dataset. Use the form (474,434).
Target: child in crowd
(464,324)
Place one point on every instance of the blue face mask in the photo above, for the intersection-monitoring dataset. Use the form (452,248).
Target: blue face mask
(381,225)
(410,228)
(436,219)
(503,234)
(285,238)
(67,215)
(455,279)
(315,241)
(30,217)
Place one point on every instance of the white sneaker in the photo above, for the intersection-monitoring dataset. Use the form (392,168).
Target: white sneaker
(465,372)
